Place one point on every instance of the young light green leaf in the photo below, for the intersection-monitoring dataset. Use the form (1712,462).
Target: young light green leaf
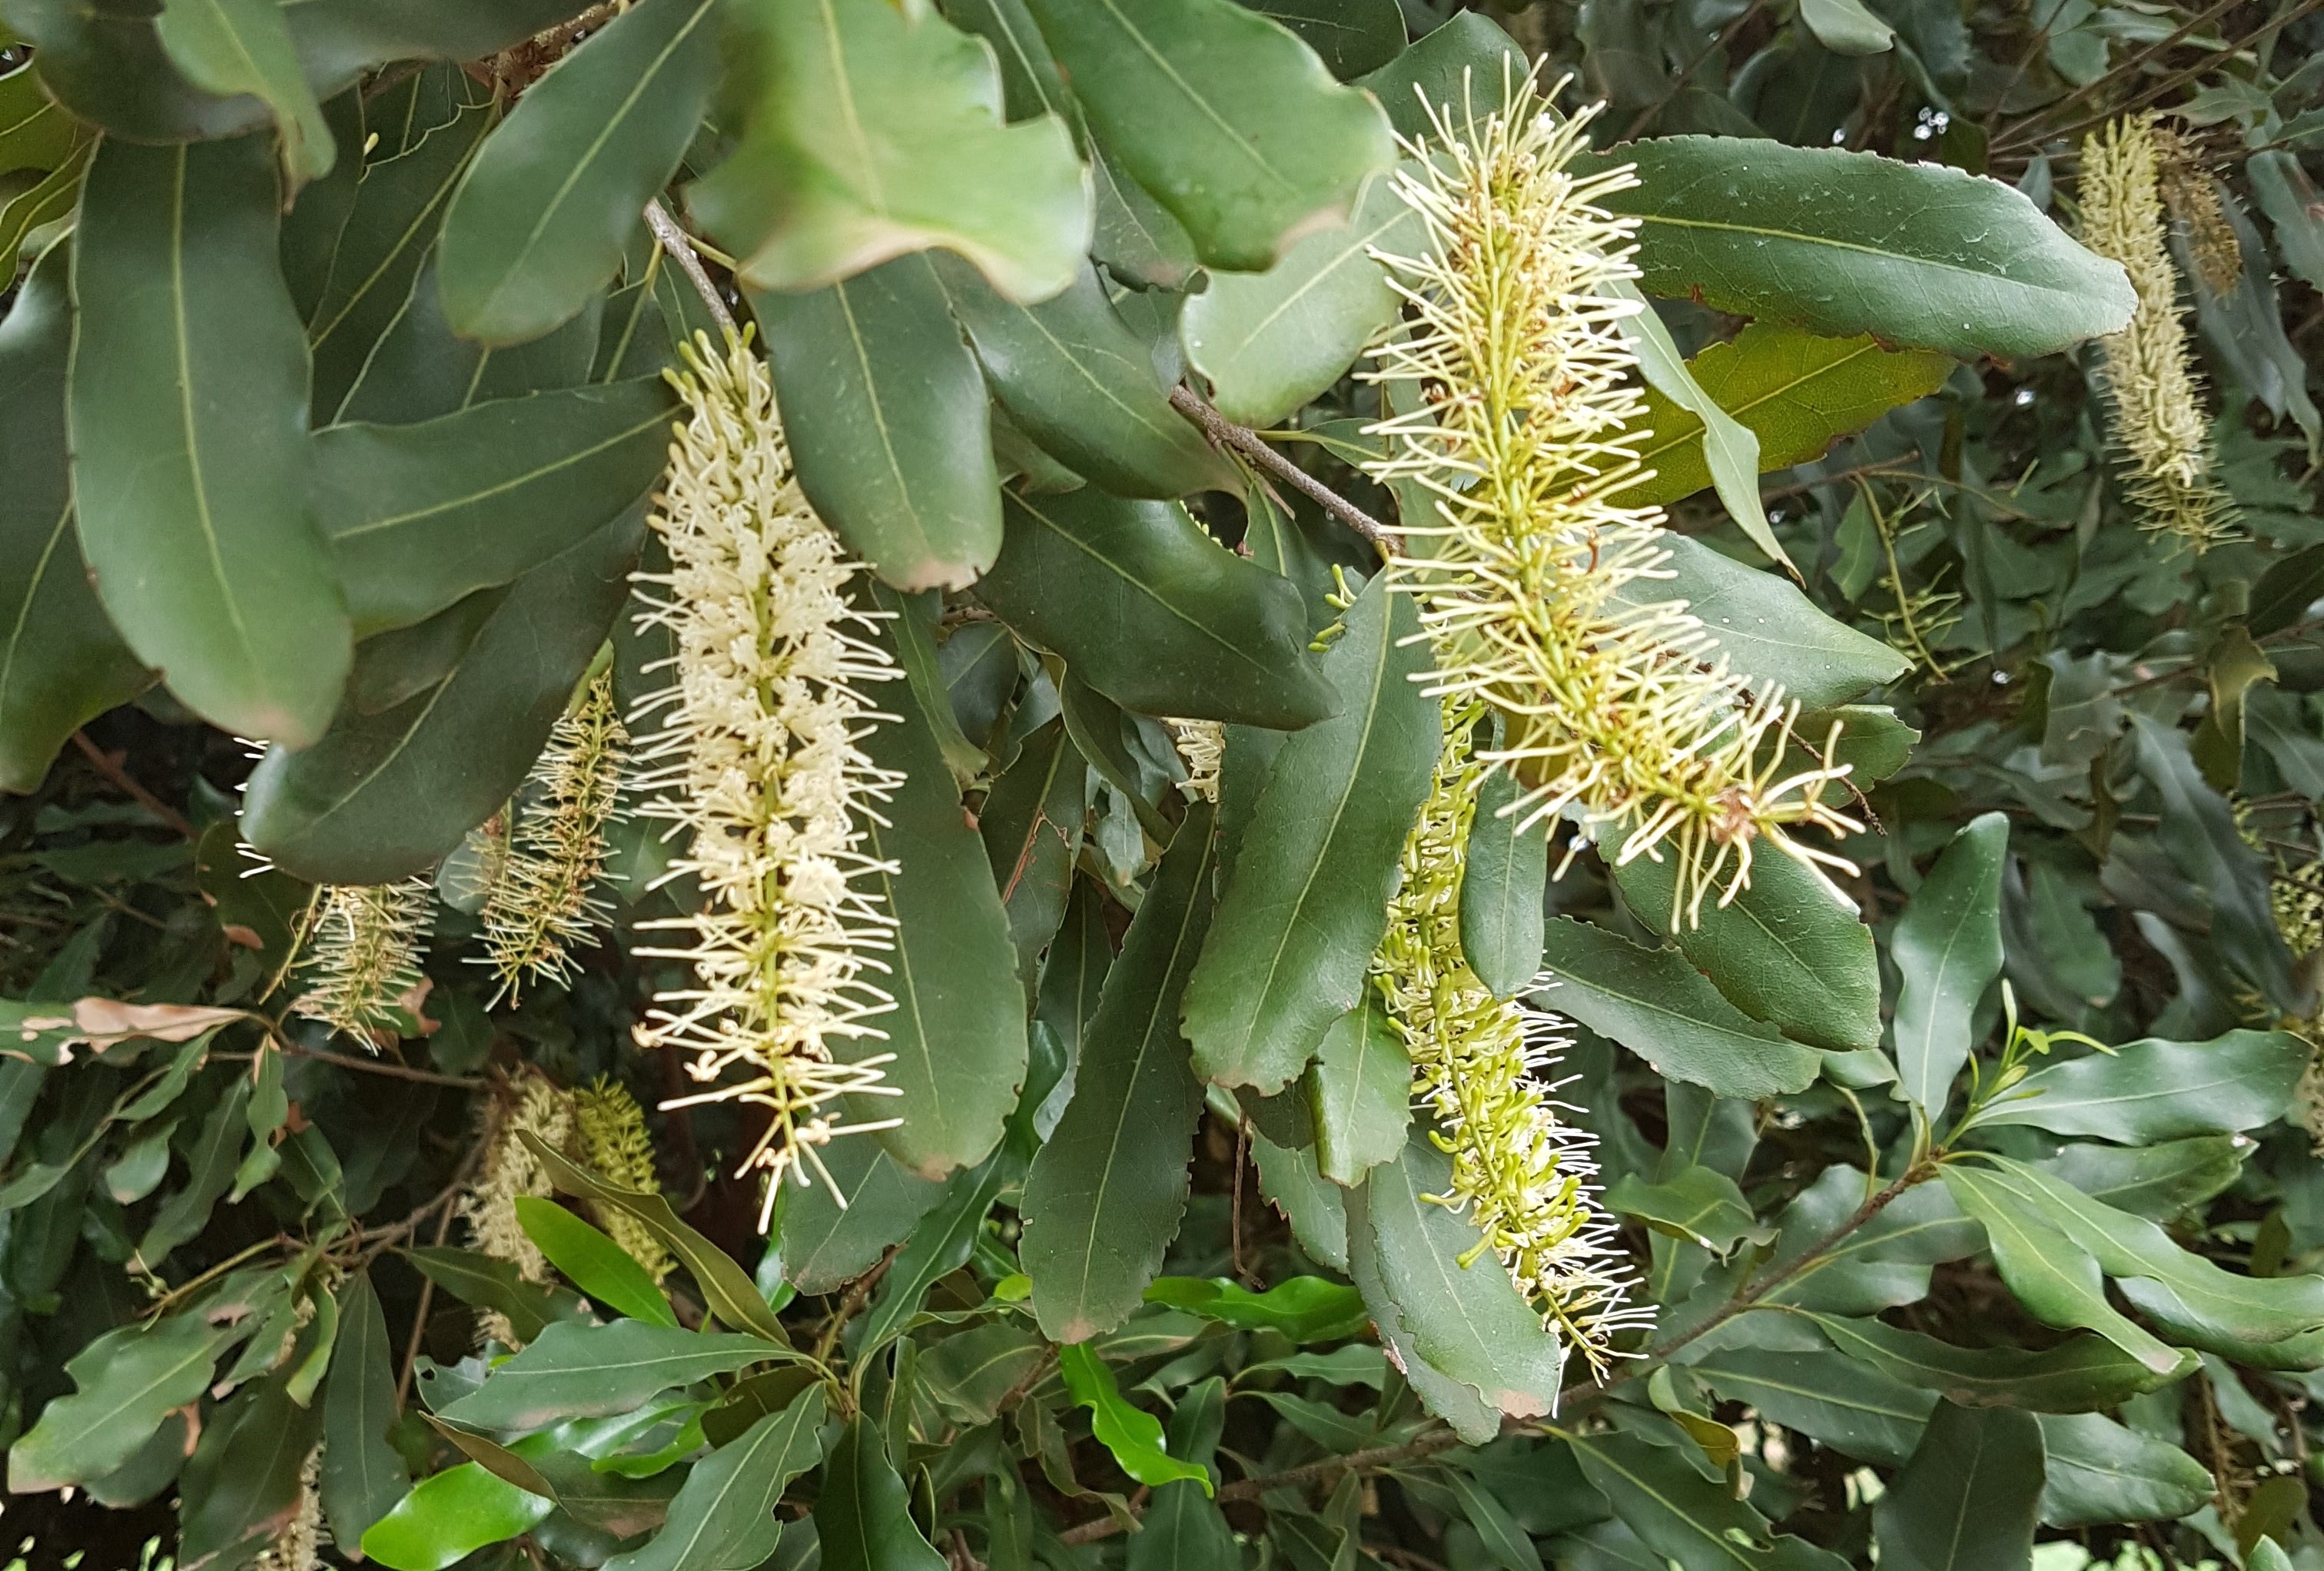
(1359,1091)
(1948,947)
(887,421)
(1301,1308)
(592,1262)
(1105,1194)
(1132,1435)
(449,1516)
(1652,1001)
(537,225)
(873,132)
(1968,1500)
(1228,119)
(1297,923)
(2152,1090)
(722,1517)
(189,399)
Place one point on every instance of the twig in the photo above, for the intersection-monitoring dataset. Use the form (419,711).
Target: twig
(673,240)
(2017,135)
(109,765)
(1379,1456)
(426,1300)
(387,1067)
(1678,84)
(1224,433)
(859,1293)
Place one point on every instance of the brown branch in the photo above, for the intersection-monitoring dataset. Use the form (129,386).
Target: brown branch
(1223,432)
(1379,1456)
(859,1293)
(109,765)
(681,251)
(387,1067)
(2017,137)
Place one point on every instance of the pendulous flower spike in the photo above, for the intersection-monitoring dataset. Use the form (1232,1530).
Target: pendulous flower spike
(543,898)
(362,948)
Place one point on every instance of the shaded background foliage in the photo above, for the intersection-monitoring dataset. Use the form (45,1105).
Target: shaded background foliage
(2109,804)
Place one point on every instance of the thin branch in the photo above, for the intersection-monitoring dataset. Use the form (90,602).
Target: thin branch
(109,765)
(427,1301)
(1377,1458)
(675,241)
(387,1067)
(1223,432)
(2017,137)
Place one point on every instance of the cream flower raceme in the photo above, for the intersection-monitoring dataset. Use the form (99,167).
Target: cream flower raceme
(758,764)
(543,897)
(533,1105)
(616,1147)
(362,947)
(1517,419)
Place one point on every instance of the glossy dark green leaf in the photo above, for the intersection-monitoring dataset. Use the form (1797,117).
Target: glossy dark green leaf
(60,662)
(124,1383)
(873,133)
(1967,1500)
(1074,377)
(1229,120)
(1652,1002)
(362,1476)
(863,1518)
(1154,614)
(1767,629)
(486,1282)
(1877,1264)
(210,1160)
(958,1028)
(1031,823)
(726,1290)
(384,795)
(572,1370)
(1297,925)
(592,1262)
(2155,1181)
(1846,243)
(887,421)
(421,516)
(228,48)
(1468,46)
(1104,1195)
(1789,950)
(449,1515)
(2081,1374)
(1359,1091)
(1696,1204)
(1503,873)
(1351,36)
(1854,1407)
(422,371)
(189,396)
(1303,1308)
(1682,1516)
(1271,341)
(2097,1472)
(2153,1090)
(108,67)
(722,1517)
(940,1245)
(338,39)
(826,1245)
(2284,592)
(243,1484)
(537,225)
(1948,947)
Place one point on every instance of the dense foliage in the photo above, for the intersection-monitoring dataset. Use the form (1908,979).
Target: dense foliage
(839,784)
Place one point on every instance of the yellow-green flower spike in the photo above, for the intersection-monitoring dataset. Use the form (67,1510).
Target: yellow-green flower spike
(758,762)
(1522,1174)
(533,1105)
(1519,416)
(362,948)
(2150,377)
(544,898)
(617,1149)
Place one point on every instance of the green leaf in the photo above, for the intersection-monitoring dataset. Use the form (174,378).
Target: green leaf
(124,1382)
(1767,629)
(1359,1091)
(537,225)
(1967,1500)
(1652,1001)
(875,131)
(1846,26)
(2082,1373)
(862,1517)
(339,40)
(727,1289)
(1855,1408)
(60,662)
(571,1371)
(939,1245)
(2284,592)
(1682,1516)
(243,1484)
(1797,392)
(722,1517)
(189,397)
(362,1476)
(1695,1204)
(1504,875)
(2155,1181)
(826,1245)
(1104,1195)
(109,68)
(1271,341)
(475,1278)
(1297,923)
(1151,612)
(1470,47)
(2100,1473)
(2056,1279)
(1467,1322)
(1071,373)
(1132,1435)
(1948,947)
(1031,824)
(1884,1262)
(210,1163)
(1227,118)
(2153,1090)
(958,1031)
(1789,950)
(888,421)
(230,47)
(1301,1308)
(449,1516)
(420,516)
(1314,1207)
(1847,243)
(592,1262)
(916,652)
(384,795)
(1352,36)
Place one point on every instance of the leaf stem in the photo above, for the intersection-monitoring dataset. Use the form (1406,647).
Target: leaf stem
(680,247)
(1224,433)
